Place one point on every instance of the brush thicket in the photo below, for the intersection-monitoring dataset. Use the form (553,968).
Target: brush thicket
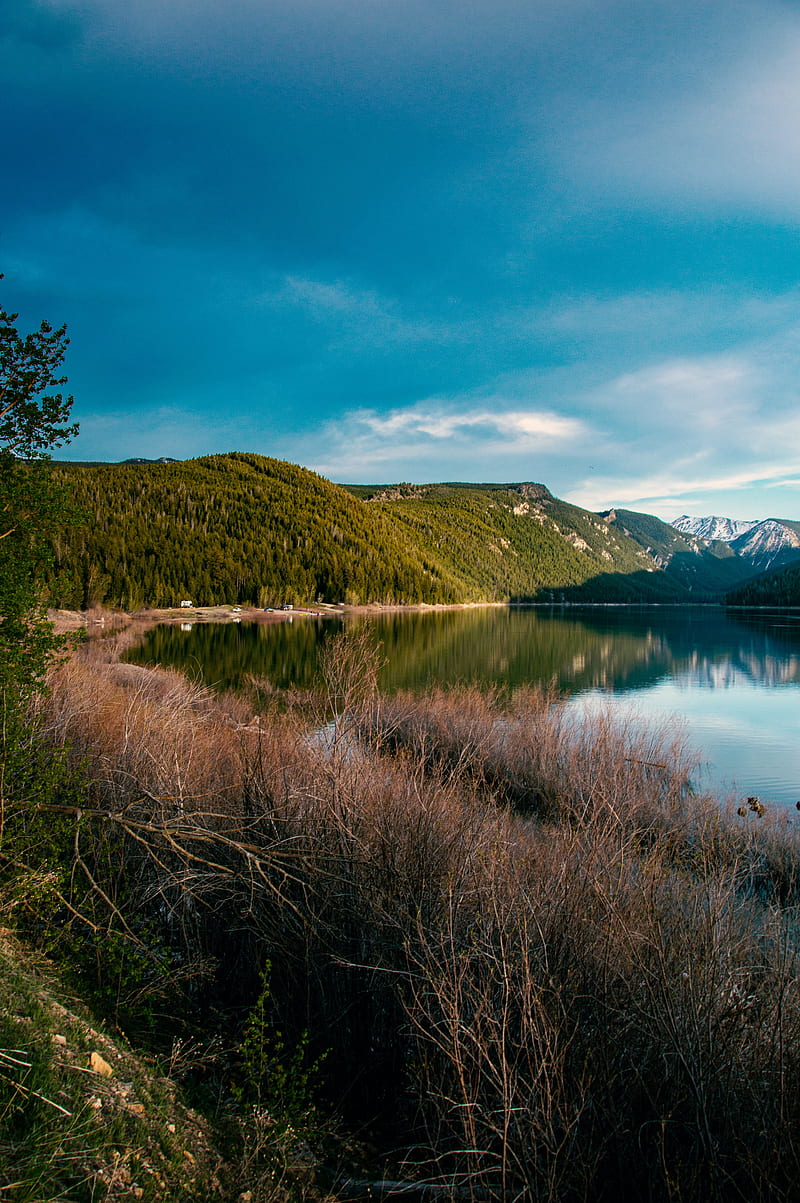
(537,963)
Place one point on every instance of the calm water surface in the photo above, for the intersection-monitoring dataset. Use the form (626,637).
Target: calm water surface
(733,677)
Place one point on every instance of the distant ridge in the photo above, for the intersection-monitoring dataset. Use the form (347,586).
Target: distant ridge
(162,459)
(246,529)
(766,544)
(705,568)
(778,588)
(725,529)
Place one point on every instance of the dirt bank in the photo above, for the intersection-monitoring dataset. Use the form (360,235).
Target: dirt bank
(101,621)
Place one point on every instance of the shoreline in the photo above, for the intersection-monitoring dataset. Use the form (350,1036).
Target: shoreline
(100,620)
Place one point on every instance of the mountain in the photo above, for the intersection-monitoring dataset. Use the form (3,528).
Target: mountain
(769,544)
(712,528)
(704,568)
(247,529)
(230,528)
(519,542)
(162,459)
(764,545)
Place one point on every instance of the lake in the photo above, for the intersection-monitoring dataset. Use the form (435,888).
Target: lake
(732,676)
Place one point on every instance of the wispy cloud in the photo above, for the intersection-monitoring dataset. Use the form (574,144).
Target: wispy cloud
(418,242)
(333,296)
(704,394)
(445,439)
(671,433)
(666,314)
(442,424)
(685,429)
(348,311)
(667,492)
(728,137)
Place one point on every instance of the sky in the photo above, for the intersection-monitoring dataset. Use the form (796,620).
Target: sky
(420,240)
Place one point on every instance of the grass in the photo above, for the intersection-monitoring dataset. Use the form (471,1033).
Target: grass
(66,1131)
(538,966)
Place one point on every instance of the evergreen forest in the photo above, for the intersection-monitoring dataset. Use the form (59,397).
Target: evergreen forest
(778,588)
(249,530)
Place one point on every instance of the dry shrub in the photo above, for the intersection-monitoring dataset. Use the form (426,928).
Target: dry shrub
(538,756)
(599,1026)
(537,963)
(149,731)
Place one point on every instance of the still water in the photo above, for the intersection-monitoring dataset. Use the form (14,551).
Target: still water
(733,678)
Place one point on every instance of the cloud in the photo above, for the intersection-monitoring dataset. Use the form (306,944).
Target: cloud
(732,477)
(332,297)
(724,137)
(443,424)
(670,489)
(434,440)
(705,394)
(348,311)
(672,431)
(368,38)
(324,215)
(639,321)
(688,428)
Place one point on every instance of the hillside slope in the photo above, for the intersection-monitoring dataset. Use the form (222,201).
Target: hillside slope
(704,567)
(231,528)
(81,1115)
(781,587)
(244,528)
(514,541)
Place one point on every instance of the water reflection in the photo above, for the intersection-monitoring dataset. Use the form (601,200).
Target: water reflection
(732,675)
(578,649)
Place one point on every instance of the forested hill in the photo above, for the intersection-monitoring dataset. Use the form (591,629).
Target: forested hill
(778,588)
(706,568)
(231,528)
(518,541)
(247,529)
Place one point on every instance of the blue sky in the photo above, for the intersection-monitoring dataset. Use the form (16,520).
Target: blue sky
(420,240)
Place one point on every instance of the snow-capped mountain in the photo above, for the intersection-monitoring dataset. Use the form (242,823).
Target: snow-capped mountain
(767,544)
(725,529)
